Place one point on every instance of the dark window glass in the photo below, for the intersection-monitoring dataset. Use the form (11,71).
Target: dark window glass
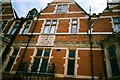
(44,65)
(10,63)
(71,64)
(35,65)
(47,52)
(116,19)
(113,61)
(114,65)
(39,53)
(3,24)
(15,52)
(71,53)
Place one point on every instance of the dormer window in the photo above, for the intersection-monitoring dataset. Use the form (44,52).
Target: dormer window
(116,21)
(32,13)
(62,8)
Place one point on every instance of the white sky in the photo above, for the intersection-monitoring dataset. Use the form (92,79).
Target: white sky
(22,7)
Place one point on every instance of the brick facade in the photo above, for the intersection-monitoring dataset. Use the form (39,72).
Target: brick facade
(55,47)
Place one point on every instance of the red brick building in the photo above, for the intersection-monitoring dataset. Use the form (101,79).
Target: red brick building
(56,43)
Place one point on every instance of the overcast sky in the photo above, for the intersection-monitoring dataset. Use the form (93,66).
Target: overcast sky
(23,6)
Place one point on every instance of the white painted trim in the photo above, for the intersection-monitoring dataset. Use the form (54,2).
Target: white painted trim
(63,18)
(61,13)
(59,75)
(15,61)
(24,25)
(7,60)
(88,48)
(78,76)
(86,77)
(7,14)
(72,33)
(59,48)
(6,24)
(10,29)
(66,63)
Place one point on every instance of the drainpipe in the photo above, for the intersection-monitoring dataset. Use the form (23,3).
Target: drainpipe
(91,55)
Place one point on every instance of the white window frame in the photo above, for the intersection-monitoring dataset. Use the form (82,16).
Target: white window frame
(50,27)
(8,59)
(42,56)
(62,9)
(116,24)
(71,23)
(24,27)
(66,63)
(9,32)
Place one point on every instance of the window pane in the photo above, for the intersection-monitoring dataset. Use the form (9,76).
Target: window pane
(39,53)
(14,28)
(26,28)
(74,29)
(46,29)
(112,51)
(74,21)
(71,53)
(58,11)
(54,22)
(53,28)
(116,19)
(117,27)
(59,7)
(10,63)
(113,61)
(15,51)
(3,24)
(114,66)
(64,8)
(47,52)
(71,64)
(35,65)
(44,64)
(48,22)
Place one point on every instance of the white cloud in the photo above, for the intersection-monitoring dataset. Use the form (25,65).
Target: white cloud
(96,6)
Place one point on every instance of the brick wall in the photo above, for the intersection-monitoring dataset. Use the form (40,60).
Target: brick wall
(58,60)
